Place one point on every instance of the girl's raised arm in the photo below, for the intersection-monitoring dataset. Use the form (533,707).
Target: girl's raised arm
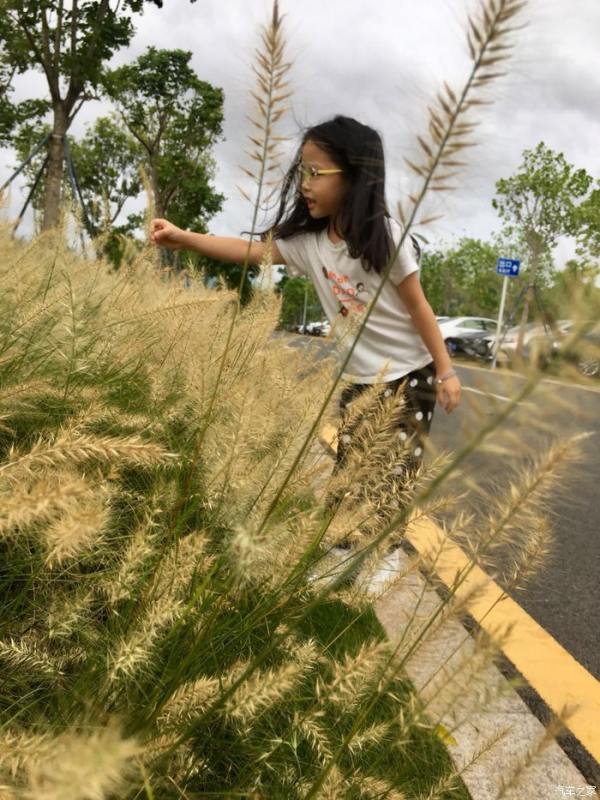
(222,248)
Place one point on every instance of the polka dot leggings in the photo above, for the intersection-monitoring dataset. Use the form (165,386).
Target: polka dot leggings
(413,425)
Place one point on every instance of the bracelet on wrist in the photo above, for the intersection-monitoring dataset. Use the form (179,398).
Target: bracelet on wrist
(450,374)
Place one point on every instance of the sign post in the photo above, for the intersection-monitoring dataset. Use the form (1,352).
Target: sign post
(509,267)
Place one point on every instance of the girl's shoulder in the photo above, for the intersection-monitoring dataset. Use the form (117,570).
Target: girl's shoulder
(306,240)
(396,227)
(410,242)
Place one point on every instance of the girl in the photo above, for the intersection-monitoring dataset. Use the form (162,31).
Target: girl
(336,229)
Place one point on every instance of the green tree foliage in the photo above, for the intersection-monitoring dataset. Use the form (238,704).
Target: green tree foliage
(461,279)
(294,291)
(542,196)
(69,44)
(12,115)
(587,217)
(540,202)
(107,165)
(167,121)
(577,280)
(176,118)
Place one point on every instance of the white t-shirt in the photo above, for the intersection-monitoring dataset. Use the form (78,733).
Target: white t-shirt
(389,337)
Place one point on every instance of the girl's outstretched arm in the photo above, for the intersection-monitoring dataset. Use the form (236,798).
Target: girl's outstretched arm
(222,248)
(411,293)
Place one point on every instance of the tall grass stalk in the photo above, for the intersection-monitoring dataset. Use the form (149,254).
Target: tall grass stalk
(169,595)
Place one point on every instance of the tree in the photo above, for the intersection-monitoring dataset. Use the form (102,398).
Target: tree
(588,227)
(176,118)
(13,115)
(298,293)
(540,203)
(461,280)
(107,163)
(70,46)
(168,120)
(576,282)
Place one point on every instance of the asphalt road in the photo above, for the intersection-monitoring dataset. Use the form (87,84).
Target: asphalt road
(564,595)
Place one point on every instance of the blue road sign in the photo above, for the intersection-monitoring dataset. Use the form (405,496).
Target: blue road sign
(508,266)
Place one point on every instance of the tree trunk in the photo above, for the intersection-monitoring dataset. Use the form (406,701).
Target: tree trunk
(163,258)
(534,245)
(54,177)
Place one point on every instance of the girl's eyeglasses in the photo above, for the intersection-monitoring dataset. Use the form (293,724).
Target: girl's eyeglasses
(304,173)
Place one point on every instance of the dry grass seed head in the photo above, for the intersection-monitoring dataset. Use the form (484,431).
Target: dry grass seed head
(354,675)
(41,500)
(449,128)
(529,494)
(271,95)
(189,701)
(261,691)
(68,613)
(119,584)
(134,651)
(82,764)
(66,450)
(79,528)
(28,657)
(314,729)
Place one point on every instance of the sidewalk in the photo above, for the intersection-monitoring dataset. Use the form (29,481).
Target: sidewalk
(507,719)
(552,774)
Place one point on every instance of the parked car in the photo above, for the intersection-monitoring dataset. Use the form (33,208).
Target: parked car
(454,326)
(460,333)
(538,338)
(584,353)
(464,335)
(474,344)
(320,328)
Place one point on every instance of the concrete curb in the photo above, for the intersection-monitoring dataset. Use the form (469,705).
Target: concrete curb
(551,775)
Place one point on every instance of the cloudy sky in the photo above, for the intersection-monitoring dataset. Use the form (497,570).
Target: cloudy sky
(382,62)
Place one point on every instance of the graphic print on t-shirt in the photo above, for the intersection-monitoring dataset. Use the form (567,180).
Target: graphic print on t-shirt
(351,298)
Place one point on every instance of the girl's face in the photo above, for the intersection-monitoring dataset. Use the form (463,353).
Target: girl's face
(324,194)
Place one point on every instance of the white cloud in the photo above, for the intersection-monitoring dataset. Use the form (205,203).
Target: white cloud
(381,62)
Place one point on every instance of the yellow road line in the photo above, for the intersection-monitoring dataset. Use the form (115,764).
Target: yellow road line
(552,671)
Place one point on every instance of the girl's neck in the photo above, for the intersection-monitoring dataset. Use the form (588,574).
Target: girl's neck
(331,234)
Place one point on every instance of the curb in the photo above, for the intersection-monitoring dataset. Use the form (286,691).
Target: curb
(552,774)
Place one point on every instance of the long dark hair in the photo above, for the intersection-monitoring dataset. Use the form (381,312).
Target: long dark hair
(363,221)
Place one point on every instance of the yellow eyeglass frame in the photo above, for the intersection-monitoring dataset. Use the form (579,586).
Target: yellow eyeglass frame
(308,173)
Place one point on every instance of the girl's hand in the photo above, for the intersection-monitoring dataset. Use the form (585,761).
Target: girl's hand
(165,234)
(448,394)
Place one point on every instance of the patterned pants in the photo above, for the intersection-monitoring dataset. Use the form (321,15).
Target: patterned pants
(412,426)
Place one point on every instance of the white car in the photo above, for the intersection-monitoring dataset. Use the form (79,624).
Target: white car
(459,333)
(454,326)
(321,328)
(534,331)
